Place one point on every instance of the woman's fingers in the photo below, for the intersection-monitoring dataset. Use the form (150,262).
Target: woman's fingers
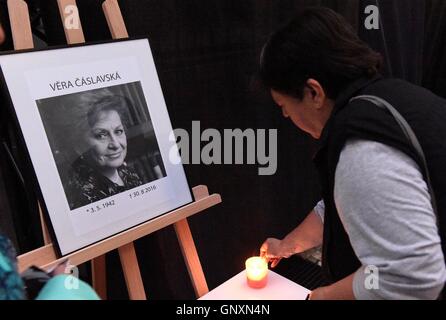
(267,256)
(270,251)
(275,262)
(267,250)
(264,250)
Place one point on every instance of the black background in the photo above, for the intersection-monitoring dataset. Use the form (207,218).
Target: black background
(206,54)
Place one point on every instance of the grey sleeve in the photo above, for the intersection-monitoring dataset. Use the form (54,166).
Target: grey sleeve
(384,205)
(319,209)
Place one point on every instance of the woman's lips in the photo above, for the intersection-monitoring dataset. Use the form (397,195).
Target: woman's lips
(114,155)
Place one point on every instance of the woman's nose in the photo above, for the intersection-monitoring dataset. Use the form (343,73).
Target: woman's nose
(113,143)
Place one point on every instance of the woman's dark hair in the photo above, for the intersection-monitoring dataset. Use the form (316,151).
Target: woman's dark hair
(320,44)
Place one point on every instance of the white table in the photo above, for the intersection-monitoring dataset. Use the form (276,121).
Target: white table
(278,288)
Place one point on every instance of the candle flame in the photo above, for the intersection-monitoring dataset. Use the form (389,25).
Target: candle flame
(256,268)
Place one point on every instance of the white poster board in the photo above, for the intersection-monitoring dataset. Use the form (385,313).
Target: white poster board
(97,130)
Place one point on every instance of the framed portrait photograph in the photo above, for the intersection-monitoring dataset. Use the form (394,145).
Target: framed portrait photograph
(96,127)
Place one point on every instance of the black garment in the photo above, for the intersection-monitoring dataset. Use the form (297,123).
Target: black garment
(86,185)
(425,113)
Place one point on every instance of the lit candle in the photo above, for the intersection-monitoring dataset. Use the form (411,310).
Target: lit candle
(256,272)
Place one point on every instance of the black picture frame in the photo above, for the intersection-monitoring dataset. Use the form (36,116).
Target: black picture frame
(32,180)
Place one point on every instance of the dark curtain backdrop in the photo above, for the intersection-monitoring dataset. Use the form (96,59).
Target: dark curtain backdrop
(434,60)
(399,38)
(411,39)
(206,54)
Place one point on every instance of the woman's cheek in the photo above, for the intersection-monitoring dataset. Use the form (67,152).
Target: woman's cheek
(123,142)
(100,149)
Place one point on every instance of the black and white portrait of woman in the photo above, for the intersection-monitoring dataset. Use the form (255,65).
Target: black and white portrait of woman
(103,142)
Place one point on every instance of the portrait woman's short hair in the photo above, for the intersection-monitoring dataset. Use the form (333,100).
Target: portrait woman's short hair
(320,44)
(87,109)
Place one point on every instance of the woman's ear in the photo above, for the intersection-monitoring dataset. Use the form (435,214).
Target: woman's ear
(317,92)
(2,34)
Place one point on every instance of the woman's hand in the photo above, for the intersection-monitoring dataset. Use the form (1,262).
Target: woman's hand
(318,294)
(341,290)
(304,237)
(274,250)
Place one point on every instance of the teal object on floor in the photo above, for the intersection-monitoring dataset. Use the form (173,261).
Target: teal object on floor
(11,285)
(67,287)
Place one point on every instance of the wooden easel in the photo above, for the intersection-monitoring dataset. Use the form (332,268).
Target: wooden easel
(45,256)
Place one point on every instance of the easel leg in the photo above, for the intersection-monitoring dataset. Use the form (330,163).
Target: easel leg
(191,257)
(99,276)
(131,271)
(20,24)
(45,232)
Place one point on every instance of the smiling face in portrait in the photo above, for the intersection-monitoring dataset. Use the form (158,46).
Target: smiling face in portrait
(107,141)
